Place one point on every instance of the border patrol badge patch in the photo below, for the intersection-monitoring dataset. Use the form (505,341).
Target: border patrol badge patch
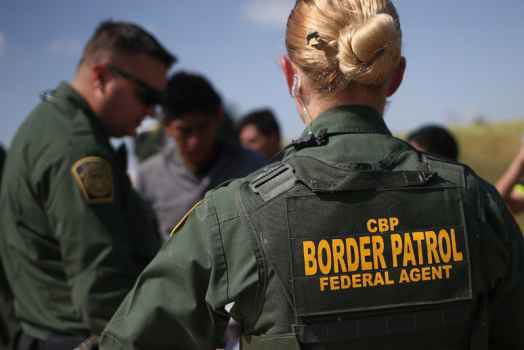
(94,177)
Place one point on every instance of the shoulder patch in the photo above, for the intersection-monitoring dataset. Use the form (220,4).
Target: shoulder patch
(183,220)
(94,177)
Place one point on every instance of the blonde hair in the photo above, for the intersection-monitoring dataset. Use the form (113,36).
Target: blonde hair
(341,42)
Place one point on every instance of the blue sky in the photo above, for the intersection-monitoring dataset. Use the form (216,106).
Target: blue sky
(465,58)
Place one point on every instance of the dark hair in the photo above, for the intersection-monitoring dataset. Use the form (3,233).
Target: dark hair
(3,155)
(263,119)
(190,93)
(436,140)
(125,38)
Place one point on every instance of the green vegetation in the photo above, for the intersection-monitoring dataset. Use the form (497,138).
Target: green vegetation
(489,148)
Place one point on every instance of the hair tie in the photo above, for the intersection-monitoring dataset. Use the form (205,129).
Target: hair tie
(314,39)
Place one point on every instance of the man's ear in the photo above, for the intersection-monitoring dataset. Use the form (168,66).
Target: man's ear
(289,72)
(99,75)
(220,114)
(168,126)
(396,79)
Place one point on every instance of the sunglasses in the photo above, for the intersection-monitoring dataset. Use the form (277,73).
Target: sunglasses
(147,95)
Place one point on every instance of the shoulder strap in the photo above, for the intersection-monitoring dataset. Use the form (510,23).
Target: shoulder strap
(322,177)
(479,330)
(452,172)
(274,181)
(58,103)
(456,173)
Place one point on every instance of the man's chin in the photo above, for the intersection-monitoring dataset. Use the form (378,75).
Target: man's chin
(193,164)
(132,131)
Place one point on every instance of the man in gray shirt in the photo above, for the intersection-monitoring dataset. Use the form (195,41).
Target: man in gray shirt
(194,159)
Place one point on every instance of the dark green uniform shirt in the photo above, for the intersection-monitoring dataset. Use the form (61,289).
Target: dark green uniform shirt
(74,233)
(214,259)
(7,320)
(2,160)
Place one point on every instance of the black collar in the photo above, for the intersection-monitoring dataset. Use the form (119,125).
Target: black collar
(340,121)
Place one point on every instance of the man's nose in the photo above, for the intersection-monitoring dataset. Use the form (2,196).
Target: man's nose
(149,111)
(193,142)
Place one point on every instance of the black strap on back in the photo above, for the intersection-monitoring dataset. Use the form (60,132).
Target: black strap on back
(273,182)
(311,140)
(324,178)
(375,327)
(53,342)
(283,175)
(321,138)
(373,180)
(479,329)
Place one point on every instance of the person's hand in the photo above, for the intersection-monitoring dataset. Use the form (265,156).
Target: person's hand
(90,343)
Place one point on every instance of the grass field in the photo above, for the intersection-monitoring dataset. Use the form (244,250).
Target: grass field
(489,148)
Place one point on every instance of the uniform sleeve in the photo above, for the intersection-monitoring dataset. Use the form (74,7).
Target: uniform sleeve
(95,245)
(144,226)
(506,300)
(2,161)
(141,182)
(178,301)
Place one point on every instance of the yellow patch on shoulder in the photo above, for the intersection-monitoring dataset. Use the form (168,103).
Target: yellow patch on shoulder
(94,177)
(183,220)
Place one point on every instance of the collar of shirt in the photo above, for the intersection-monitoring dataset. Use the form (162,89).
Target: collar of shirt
(349,120)
(354,134)
(172,155)
(68,97)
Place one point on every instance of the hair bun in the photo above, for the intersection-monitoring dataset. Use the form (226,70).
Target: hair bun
(368,52)
(369,40)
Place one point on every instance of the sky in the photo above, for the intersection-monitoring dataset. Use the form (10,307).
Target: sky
(465,58)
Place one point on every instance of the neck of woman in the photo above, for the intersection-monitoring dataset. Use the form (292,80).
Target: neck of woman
(317,102)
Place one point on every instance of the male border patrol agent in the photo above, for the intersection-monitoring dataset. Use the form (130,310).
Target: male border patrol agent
(8,325)
(354,241)
(2,160)
(74,234)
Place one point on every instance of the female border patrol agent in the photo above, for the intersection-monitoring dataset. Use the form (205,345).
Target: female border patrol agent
(354,241)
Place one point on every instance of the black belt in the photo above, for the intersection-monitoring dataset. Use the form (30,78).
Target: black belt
(53,342)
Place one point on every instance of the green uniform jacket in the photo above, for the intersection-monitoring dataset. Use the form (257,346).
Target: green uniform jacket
(74,234)
(8,323)
(2,160)
(214,258)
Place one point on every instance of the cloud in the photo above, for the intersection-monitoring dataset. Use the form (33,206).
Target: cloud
(2,44)
(65,46)
(268,12)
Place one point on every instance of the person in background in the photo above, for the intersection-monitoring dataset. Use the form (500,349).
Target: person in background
(510,184)
(436,140)
(74,234)
(354,241)
(148,143)
(194,160)
(259,131)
